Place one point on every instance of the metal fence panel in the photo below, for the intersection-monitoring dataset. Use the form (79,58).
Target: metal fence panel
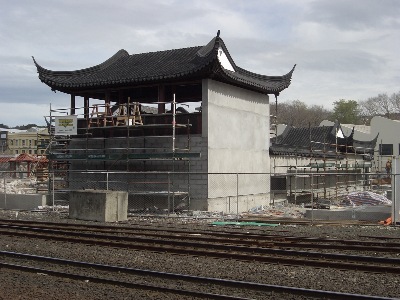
(183,192)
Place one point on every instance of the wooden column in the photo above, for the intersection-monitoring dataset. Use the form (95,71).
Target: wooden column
(86,107)
(107,102)
(107,97)
(161,98)
(108,119)
(121,99)
(72,109)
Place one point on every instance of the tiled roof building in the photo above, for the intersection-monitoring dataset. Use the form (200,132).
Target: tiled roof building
(321,141)
(225,133)
(121,70)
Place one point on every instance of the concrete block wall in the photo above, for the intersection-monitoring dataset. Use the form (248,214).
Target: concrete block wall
(22,201)
(139,182)
(367,213)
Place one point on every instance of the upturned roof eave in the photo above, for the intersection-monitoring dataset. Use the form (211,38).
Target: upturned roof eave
(205,65)
(261,83)
(198,73)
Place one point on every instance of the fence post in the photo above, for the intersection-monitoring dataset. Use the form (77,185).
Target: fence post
(395,190)
(107,181)
(5,193)
(52,189)
(169,190)
(312,198)
(237,197)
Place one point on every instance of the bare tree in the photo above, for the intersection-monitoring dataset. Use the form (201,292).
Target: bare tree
(297,113)
(381,105)
(318,113)
(395,103)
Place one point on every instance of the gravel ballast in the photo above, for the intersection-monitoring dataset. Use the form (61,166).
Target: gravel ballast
(20,285)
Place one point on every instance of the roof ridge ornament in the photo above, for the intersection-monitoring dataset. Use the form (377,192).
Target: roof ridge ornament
(218,32)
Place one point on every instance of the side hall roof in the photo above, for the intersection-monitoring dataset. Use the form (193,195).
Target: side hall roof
(193,63)
(321,141)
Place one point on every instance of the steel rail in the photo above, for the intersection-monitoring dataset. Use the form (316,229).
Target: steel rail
(174,276)
(245,239)
(228,245)
(221,251)
(120,283)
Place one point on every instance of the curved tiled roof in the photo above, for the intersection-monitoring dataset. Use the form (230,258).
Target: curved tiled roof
(319,142)
(198,62)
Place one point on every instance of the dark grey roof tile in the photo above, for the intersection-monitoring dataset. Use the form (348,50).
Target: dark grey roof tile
(177,64)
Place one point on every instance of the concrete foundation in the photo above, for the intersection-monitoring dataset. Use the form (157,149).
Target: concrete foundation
(230,204)
(98,205)
(366,213)
(22,201)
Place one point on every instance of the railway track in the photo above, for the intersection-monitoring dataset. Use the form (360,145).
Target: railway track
(195,286)
(240,247)
(265,239)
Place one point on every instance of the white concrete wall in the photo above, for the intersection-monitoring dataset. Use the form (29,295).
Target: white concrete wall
(283,164)
(388,134)
(236,124)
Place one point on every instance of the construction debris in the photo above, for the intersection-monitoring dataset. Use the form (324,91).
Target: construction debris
(287,211)
(243,224)
(18,186)
(365,198)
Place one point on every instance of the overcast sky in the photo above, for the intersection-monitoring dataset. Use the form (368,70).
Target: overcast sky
(344,49)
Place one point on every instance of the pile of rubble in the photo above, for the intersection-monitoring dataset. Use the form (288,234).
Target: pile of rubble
(365,198)
(18,186)
(279,211)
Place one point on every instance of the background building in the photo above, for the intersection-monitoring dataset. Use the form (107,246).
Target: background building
(27,141)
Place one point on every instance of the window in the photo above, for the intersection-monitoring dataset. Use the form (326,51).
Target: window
(385,149)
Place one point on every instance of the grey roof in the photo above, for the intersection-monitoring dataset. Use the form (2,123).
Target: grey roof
(190,63)
(319,141)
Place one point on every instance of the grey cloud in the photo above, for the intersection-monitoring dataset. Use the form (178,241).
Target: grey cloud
(343,61)
(75,34)
(355,14)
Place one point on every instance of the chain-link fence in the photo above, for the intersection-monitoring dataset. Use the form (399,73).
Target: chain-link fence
(225,193)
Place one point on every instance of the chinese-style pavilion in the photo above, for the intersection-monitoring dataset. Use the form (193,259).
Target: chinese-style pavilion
(228,130)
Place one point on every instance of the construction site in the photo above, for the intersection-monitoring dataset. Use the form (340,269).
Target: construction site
(188,130)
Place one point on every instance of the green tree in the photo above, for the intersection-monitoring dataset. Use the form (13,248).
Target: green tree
(346,112)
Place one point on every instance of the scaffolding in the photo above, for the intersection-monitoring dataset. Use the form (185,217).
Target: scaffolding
(323,173)
(115,141)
